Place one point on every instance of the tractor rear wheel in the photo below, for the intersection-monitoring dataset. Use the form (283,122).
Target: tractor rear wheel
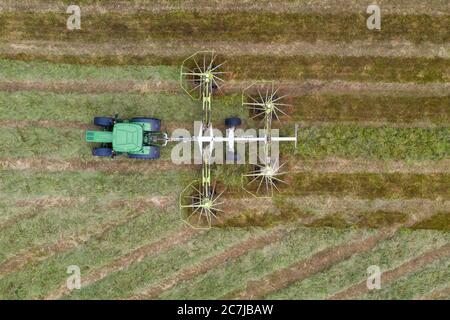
(102,152)
(232,122)
(154,154)
(104,121)
(154,122)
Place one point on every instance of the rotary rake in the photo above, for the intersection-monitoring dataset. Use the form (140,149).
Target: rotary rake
(201,77)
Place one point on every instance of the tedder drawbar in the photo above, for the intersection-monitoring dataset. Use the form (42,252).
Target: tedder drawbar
(200,78)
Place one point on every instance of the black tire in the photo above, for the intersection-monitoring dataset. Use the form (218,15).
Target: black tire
(154,154)
(232,122)
(104,121)
(102,152)
(155,123)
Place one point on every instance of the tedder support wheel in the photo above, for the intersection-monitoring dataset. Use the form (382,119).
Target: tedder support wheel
(232,122)
(154,154)
(154,123)
(103,121)
(102,152)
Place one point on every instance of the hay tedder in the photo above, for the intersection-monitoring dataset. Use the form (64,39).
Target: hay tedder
(200,78)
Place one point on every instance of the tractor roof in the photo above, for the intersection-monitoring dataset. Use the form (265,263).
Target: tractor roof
(127,137)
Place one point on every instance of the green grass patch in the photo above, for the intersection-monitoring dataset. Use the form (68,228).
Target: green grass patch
(372,185)
(388,254)
(226,26)
(226,278)
(371,108)
(352,141)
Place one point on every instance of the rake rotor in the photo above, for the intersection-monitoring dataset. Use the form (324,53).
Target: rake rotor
(262,182)
(263,101)
(199,209)
(201,72)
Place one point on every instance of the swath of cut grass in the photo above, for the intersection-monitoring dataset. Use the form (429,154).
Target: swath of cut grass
(37,105)
(144,229)
(45,71)
(352,141)
(434,275)
(369,108)
(388,254)
(243,26)
(372,185)
(228,277)
(29,184)
(370,69)
(153,269)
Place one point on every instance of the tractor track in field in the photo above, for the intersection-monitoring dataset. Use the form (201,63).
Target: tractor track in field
(118,165)
(135,256)
(44,251)
(35,206)
(300,270)
(231,253)
(390,276)
(435,7)
(293,88)
(46,124)
(442,293)
(178,48)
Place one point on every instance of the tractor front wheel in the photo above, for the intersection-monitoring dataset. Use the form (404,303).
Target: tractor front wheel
(103,121)
(232,122)
(102,152)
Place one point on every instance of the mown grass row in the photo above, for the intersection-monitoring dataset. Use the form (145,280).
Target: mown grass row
(372,185)
(69,222)
(387,69)
(28,184)
(434,110)
(347,141)
(150,271)
(388,254)
(228,277)
(226,26)
(38,279)
(46,71)
(36,105)
(99,201)
(352,141)
(436,275)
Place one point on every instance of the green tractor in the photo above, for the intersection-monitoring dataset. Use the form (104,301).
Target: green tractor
(139,138)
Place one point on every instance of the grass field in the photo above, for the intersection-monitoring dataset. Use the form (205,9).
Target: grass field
(369,179)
